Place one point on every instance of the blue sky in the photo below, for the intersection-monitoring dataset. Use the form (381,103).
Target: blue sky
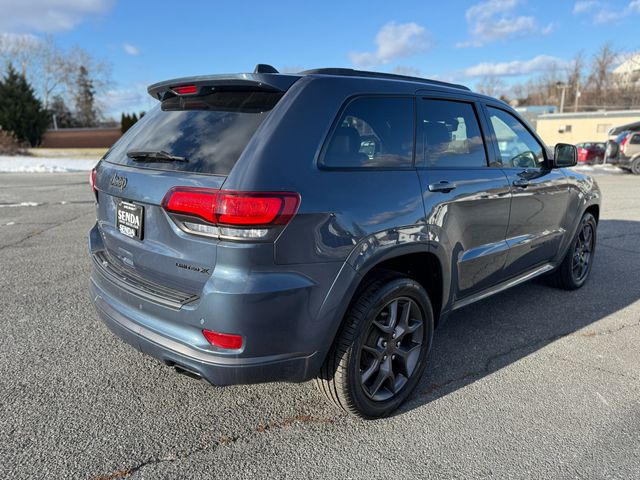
(148,41)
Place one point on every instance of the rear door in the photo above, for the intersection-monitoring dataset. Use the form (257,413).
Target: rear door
(466,200)
(539,195)
(188,141)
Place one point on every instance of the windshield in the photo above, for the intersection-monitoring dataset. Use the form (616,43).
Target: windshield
(209,131)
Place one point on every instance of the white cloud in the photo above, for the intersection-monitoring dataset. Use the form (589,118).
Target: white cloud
(17,41)
(408,71)
(131,49)
(131,99)
(494,20)
(584,6)
(47,15)
(603,13)
(517,67)
(394,40)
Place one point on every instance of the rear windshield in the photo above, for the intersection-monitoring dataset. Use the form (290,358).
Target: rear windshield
(206,133)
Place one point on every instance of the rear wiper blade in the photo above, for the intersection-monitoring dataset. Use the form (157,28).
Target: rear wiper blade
(154,156)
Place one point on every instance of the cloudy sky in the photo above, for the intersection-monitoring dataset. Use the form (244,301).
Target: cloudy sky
(147,41)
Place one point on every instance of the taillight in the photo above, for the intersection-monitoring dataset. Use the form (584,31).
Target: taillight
(223,340)
(227,214)
(92,181)
(185,89)
(198,202)
(623,143)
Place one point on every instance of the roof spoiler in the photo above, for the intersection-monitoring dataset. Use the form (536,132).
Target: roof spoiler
(267,82)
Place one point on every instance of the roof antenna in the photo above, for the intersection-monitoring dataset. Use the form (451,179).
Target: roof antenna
(264,68)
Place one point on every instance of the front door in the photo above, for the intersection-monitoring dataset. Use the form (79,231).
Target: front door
(466,201)
(540,195)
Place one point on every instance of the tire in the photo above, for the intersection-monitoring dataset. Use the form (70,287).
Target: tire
(371,343)
(635,166)
(573,272)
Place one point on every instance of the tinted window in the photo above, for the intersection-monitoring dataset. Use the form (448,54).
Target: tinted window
(451,135)
(372,132)
(210,131)
(518,148)
(635,140)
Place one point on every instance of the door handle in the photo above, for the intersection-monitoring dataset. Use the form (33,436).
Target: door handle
(521,182)
(444,186)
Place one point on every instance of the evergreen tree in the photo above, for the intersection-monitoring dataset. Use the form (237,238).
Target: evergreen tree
(20,111)
(123,122)
(86,113)
(127,121)
(64,117)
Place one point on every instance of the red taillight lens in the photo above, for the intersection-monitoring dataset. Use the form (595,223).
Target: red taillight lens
(199,202)
(185,89)
(237,209)
(92,179)
(623,143)
(223,340)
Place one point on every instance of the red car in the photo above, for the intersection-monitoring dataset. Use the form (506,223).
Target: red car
(591,152)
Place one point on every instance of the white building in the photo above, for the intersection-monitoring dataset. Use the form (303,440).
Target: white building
(629,70)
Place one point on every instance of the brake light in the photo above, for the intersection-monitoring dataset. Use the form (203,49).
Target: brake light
(236,215)
(92,180)
(223,340)
(199,202)
(185,89)
(623,143)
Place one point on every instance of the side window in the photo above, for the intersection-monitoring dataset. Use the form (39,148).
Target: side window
(372,132)
(450,135)
(518,148)
(635,140)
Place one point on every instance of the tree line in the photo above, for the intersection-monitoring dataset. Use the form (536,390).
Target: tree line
(589,84)
(45,86)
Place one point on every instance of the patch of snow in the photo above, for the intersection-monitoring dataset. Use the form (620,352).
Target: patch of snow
(21,164)
(21,204)
(604,169)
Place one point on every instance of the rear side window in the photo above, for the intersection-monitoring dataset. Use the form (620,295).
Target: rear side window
(451,135)
(372,132)
(209,132)
(635,140)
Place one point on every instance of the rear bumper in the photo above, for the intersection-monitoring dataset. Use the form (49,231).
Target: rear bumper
(287,316)
(215,368)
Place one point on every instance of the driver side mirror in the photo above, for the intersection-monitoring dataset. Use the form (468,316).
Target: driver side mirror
(565,155)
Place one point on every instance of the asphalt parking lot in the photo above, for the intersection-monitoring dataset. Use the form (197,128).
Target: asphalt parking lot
(532,383)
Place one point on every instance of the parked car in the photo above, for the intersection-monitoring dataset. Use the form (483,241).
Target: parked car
(591,152)
(287,227)
(612,150)
(629,152)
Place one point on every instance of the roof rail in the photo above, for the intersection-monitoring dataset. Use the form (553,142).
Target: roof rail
(349,72)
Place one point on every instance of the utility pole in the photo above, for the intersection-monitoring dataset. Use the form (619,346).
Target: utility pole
(563,87)
(578,94)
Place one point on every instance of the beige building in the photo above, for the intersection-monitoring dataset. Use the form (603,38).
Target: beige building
(582,127)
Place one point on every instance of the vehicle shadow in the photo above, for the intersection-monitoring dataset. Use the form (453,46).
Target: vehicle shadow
(478,340)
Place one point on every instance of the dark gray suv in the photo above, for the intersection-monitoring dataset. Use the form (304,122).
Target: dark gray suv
(269,227)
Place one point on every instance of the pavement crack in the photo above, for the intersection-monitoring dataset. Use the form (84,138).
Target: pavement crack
(487,368)
(43,230)
(593,367)
(611,331)
(220,441)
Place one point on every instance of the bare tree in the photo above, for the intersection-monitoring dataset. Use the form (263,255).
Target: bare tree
(599,80)
(574,79)
(492,86)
